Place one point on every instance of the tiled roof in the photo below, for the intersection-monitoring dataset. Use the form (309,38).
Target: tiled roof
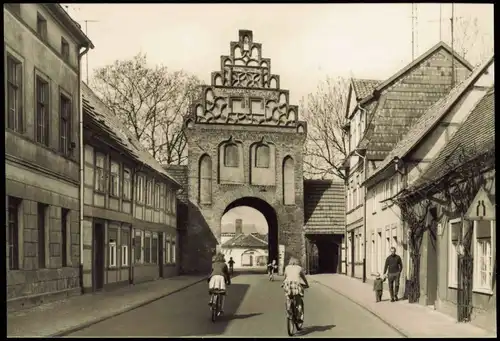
(476,136)
(179,173)
(245,241)
(324,205)
(393,117)
(261,236)
(417,61)
(433,115)
(363,87)
(102,117)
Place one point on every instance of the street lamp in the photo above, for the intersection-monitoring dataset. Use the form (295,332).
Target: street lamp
(359,152)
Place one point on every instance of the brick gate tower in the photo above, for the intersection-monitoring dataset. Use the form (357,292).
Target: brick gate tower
(244,149)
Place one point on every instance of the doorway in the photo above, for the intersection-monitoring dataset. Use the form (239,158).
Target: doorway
(99,255)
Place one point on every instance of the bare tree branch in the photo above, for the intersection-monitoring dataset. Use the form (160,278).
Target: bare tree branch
(150,101)
(326,145)
(470,43)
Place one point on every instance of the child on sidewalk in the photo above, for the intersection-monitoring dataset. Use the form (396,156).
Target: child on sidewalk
(378,287)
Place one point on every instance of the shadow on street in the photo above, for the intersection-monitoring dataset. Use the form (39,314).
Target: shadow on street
(313,329)
(240,316)
(205,326)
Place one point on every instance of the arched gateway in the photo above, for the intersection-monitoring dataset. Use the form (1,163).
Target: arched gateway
(245,148)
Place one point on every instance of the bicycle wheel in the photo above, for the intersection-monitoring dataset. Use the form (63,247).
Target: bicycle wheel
(299,323)
(290,321)
(215,307)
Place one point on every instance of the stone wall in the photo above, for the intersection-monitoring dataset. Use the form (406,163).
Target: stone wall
(203,229)
(30,284)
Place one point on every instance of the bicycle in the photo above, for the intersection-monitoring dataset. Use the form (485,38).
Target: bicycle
(293,321)
(216,304)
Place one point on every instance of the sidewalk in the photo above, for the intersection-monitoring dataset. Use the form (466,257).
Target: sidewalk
(412,320)
(74,313)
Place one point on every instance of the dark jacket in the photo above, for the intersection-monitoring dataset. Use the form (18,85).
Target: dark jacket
(220,268)
(394,264)
(378,284)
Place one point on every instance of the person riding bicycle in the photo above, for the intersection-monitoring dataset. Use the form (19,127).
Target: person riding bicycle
(218,279)
(271,268)
(295,278)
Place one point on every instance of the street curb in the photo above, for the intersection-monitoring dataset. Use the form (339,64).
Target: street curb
(84,325)
(401,331)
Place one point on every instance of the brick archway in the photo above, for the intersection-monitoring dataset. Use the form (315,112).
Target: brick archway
(271,218)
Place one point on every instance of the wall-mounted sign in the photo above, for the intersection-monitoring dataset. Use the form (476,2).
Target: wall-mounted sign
(481,208)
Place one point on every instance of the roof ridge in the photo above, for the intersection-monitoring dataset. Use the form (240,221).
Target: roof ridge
(415,62)
(259,239)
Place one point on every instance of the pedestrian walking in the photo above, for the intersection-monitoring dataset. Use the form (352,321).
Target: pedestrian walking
(392,270)
(378,287)
(231,265)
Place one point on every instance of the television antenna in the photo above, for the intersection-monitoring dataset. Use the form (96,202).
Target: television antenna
(87,55)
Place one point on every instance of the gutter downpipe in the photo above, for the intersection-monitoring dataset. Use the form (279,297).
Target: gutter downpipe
(81,148)
(364,201)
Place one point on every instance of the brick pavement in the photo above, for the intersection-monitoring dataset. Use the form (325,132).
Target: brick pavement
(60,317)
(401,315)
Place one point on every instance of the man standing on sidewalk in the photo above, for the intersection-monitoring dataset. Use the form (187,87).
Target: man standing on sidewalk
(393,267)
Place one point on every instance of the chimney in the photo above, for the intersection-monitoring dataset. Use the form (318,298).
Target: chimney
(238,226)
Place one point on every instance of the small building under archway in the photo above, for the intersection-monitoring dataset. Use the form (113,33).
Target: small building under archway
(324,223)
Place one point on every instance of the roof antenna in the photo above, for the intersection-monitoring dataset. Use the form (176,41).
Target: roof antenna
(452,50)
(412,31)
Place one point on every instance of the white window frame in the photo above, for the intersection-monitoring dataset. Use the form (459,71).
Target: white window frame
(476,279)
(388,240)
(157,189)
(114,179)
(124,254)
(452,254)
(100,169)
(167,249)
(139,189)
(147,234)
(149,192)
(162,197)
(154,236)
(139,233)
(127,184)
(112,254)
(167,199)
(173,201)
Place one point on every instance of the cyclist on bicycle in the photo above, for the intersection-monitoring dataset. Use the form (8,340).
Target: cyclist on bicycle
(292,284)
(218,279)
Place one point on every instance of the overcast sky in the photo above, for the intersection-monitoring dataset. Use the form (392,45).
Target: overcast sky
(306,42)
